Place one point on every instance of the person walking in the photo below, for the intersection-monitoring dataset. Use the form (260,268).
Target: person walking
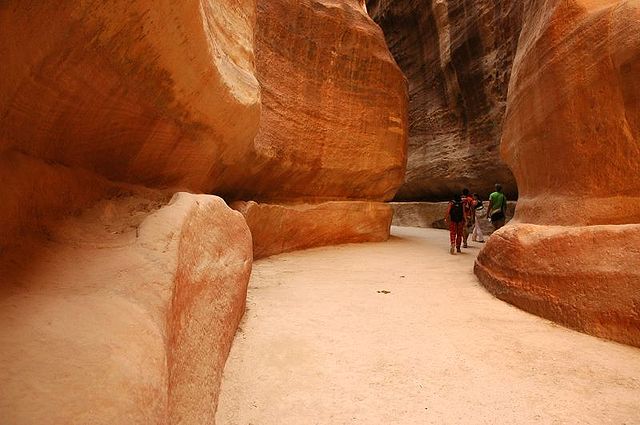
(477,235)
(469,209)
(497,208)
(455,219)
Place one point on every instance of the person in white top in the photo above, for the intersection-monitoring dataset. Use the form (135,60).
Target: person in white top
(477,235)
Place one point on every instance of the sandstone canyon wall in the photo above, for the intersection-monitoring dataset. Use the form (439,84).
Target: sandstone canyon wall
(123,312)
(334,105)
(457,56)
(141,92)
(333,126)
(119,305)
(572,139)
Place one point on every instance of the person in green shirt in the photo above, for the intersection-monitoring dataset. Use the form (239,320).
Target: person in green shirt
(497,208)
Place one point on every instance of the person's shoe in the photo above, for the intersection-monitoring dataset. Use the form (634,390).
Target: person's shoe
(453,250)
(465,246)
(458,249)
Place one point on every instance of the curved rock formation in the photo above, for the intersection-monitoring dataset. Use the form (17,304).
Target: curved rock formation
(572,138)
(142,92)
(283,228)
(114,318)
(457,56)
(124,315)
(334,114)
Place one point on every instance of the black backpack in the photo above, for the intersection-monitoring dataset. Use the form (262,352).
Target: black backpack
(456,213)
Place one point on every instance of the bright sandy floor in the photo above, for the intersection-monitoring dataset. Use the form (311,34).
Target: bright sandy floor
(321,345)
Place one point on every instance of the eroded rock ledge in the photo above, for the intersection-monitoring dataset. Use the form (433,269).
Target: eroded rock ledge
(283,228)
(125,314)
(572,139)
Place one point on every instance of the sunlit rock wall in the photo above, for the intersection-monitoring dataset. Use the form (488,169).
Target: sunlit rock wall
(334,114)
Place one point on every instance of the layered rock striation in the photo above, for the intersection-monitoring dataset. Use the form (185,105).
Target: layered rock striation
(334,106)
(457,56)
(572,139)
(119,308)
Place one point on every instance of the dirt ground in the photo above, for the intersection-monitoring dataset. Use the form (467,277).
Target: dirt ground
(322,342)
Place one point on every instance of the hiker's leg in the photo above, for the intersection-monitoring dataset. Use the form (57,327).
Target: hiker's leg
(459,231)
(478,232)
(465,234)
(452,232)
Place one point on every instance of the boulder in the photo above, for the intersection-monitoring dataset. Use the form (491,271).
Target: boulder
(572,139)
(283,228)
(457,56)
(124,314)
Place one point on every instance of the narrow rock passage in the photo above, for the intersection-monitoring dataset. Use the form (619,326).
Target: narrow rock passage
(320,344)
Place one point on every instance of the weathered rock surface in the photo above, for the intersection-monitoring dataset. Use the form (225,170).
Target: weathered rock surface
(283,228)
(334,105)
(457,56)
(117,318)
(431,215)
(153,93)
(572,138)
(124,315)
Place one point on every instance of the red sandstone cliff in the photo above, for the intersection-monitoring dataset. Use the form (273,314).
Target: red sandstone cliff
(572,139)
(457,56)
(141,92)
(119,307)
(334,105)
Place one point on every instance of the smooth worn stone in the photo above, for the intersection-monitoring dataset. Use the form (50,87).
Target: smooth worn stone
(572,138)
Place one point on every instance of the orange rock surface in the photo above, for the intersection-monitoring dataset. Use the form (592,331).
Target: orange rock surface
(334,105)
(153,93)
(572,139)
(124,315)
(283,228)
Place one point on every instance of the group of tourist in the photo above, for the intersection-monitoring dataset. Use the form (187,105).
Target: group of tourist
(465,212)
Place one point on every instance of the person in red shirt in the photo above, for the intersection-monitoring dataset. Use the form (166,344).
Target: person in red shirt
(455,219)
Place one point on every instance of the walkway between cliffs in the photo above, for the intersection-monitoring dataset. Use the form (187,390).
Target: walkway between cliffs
(402,333)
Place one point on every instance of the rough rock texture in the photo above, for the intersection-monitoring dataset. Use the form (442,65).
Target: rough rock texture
(583,277)
(334,105)
(431,215)
(124,315)
(457,56)
(153,93)
(283,228)
(572,138)
(114,318)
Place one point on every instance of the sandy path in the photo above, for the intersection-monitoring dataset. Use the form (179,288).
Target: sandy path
(320,345)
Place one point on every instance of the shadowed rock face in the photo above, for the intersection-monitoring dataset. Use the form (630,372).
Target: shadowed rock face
(457,56)
(572,139)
